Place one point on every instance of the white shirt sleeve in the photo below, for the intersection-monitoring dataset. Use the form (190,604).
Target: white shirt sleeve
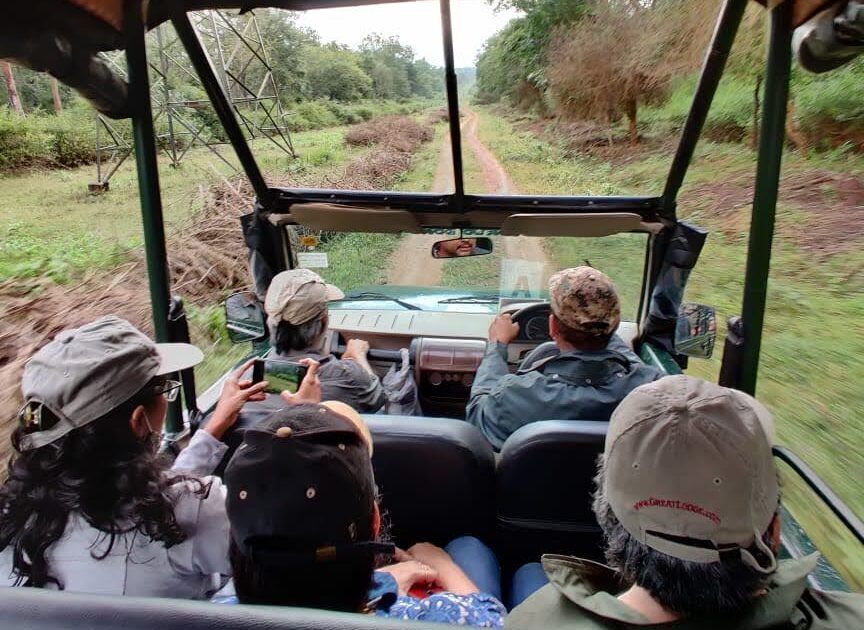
(205,552)
(201,456)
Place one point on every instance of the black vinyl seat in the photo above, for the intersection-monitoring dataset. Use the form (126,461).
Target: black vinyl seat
(436,477)
(39,609)
(545,481)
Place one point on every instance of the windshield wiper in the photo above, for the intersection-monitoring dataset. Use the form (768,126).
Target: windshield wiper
(469,299)
(380,296)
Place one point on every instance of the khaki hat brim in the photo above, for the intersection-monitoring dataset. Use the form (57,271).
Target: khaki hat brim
(348,412)
(174,357)
(334,293)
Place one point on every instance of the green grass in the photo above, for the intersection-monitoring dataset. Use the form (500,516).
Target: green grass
(50,225)
(358,259)
(474,272)
(813,345)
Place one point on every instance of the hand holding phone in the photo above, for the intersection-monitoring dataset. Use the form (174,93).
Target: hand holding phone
(281,376)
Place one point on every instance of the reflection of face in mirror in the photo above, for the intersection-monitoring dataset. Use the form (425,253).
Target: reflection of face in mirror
(459,247)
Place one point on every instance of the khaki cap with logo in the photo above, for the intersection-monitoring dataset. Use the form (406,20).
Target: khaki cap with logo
(584,299)
(297,296)
(84,373)
(689,470)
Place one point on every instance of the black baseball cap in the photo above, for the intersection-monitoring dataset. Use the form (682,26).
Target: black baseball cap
(301,489)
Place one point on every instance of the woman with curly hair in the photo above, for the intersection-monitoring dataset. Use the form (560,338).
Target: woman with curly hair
(88,505)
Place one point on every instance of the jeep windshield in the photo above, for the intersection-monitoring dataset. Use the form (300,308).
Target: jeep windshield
(398,271)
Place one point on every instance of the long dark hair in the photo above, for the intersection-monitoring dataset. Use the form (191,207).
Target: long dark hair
(339,585)
(102,471)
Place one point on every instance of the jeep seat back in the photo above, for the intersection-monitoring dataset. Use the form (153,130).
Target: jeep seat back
(544,486)
(436,478)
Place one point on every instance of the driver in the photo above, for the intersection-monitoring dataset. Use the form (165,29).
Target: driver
(582,375)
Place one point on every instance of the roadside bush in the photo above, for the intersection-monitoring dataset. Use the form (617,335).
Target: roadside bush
(729,118)
(311,115)
(364,112)
(73,136)
(45,140)
(22,143)
(828,109)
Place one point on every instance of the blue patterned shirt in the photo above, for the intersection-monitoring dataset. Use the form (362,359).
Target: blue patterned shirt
(478,610)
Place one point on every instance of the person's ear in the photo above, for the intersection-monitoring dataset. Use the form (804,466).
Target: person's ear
(774,533)
(139,423)
(376,520)
(553,327)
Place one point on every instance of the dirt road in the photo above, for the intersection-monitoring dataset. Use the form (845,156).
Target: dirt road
(411,264)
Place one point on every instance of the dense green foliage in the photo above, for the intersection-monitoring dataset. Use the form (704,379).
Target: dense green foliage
(607,60)
(46,140)
(321,85)
(513,62)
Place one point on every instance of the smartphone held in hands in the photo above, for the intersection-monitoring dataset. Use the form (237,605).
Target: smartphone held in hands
(281,376)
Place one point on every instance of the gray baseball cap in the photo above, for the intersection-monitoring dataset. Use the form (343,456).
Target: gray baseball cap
(84,373)
(689,470)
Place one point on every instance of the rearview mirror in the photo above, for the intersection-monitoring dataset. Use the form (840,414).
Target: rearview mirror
(244,317)
(695,330)
(461,247)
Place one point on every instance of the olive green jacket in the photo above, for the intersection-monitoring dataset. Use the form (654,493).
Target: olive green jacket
(581,595)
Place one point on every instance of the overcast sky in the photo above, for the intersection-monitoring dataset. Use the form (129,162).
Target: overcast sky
(418,24)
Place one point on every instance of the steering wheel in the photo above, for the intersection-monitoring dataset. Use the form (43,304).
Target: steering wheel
(527,311)
(525,317)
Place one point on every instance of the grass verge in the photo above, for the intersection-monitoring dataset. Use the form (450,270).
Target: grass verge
(813,344)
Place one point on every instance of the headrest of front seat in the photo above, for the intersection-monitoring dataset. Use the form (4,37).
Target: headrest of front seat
(436,477)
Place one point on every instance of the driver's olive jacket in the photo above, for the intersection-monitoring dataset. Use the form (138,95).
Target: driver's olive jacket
(582,595)
(575,385)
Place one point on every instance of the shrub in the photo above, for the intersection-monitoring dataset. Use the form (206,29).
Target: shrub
(73,137)
(46,140)
(364,112)
(315,114)
(22,143)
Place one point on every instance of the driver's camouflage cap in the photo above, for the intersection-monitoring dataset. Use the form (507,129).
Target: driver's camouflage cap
(584,299)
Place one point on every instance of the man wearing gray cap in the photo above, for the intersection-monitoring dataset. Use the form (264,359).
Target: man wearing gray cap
(296,307)
(688,498)
(583,376)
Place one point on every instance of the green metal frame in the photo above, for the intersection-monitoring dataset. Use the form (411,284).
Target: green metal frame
(148,186)
(771,139)
(778,64)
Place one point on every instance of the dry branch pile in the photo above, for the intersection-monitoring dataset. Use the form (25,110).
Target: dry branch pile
(400,133)
(207,259)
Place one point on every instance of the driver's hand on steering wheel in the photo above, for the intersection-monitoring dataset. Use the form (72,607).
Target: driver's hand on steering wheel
(356,349)
(503,329)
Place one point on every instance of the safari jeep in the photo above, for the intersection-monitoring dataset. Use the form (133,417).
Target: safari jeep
(437,475)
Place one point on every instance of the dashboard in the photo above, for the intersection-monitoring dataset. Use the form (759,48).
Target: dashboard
(446,348)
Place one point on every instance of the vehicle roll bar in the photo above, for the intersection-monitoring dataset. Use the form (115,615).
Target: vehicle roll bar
(772,136)
(709,79)
(835,504)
